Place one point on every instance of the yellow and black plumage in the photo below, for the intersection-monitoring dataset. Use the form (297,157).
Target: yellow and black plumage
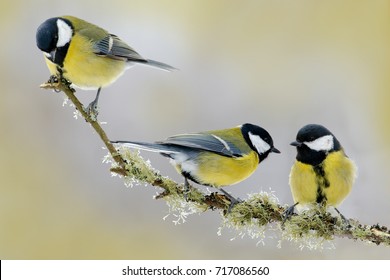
(214,158)
(85,54)
(322,172)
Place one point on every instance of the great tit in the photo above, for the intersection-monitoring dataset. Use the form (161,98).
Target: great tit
(86,55)
(215,158)
(322,172)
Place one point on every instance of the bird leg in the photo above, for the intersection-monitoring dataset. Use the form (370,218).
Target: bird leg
(60,78)
(345,220)
(289,212)
(92,108)
(233,200)
(186,189)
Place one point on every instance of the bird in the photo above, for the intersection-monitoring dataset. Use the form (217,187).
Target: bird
(322,172)
(215,158)
(86,55)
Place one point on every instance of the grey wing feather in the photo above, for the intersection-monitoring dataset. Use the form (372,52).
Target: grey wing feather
(206,142)
(114,47)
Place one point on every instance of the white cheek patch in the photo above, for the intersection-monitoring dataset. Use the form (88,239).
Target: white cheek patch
(324,143)
(260,145)
(64,33)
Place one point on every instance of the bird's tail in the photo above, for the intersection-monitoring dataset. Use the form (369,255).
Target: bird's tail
(151,147)
(159,65)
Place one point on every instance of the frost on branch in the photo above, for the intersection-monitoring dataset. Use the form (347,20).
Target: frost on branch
(258,214)
(257,217)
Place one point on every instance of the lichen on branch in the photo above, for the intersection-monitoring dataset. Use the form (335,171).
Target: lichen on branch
(252,217)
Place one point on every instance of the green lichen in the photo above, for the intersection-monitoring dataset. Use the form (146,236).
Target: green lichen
(258,216)
(253,217)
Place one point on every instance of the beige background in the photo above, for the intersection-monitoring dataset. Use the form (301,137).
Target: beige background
(279,64)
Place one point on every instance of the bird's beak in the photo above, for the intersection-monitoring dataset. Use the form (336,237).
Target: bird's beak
(52,55)
(274,150)
(296,144)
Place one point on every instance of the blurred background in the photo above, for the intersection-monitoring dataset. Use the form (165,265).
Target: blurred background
(278,64)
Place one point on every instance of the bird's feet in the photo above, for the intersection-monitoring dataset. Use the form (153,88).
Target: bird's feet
(288,213)
(55,81)
(92,110)
(233,201)
(346,222)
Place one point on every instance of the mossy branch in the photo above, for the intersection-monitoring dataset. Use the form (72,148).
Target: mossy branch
(250,217)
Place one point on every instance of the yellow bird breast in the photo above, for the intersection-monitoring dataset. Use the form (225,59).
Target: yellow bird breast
(218,171)
(85,69)
(306,186)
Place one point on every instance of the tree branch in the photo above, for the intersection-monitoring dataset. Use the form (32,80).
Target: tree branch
(250,217)
(60,84)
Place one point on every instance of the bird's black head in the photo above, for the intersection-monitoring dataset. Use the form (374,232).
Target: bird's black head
(53,38)
(314,142)
(47,35)
(259,140)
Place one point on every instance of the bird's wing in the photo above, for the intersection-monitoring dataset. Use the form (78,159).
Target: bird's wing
(113,47)
(206,142)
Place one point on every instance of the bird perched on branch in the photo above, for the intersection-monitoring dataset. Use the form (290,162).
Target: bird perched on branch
(87,55)
(322,172)
(215,158)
